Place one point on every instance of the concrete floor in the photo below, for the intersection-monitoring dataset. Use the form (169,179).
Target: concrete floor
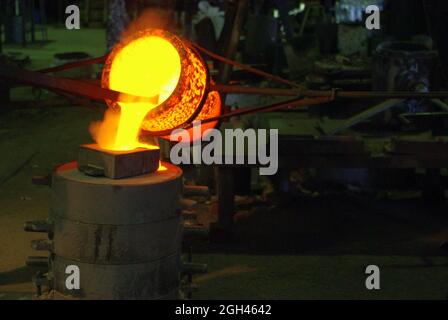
(302,249)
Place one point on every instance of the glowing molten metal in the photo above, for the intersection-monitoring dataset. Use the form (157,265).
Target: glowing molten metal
(153,63)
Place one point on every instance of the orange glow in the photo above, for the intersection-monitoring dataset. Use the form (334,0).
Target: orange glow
(153,63)
(147,66)
(187,100)
(161,167)
(212,108)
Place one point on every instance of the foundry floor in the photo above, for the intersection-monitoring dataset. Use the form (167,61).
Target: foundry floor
(303,249)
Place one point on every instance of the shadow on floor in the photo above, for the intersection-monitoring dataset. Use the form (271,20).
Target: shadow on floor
(340,225)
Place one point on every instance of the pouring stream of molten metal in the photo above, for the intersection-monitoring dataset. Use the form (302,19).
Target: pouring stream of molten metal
(148,66)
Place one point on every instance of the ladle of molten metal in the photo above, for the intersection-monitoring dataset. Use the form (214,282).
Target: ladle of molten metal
(153,63)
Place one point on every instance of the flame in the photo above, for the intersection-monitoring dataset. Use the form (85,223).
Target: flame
(161,167)
(147,66)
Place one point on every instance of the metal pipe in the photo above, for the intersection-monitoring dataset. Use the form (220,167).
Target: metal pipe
(193,268)
(78,88)
(294,103)
(330,93)
(382,94)
(75,64)
(42,245)
(331,128)
(222,88)
(40,262)
(37,226)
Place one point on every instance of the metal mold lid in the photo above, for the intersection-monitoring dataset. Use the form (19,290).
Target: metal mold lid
(167,173)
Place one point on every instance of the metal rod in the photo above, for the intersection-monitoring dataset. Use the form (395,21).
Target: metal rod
(331,93)
(222,88)
(382,94)
(83,102)
(243,66)
(72,65)
(230,38)
(78,88)
(294,103)
(333,128)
